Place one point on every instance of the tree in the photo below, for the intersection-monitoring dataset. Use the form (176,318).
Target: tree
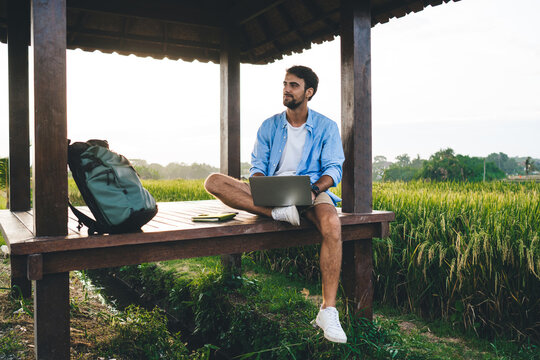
(403,169)
(445,166)
(509,165)
(403,160)
(442,166)
(380,164)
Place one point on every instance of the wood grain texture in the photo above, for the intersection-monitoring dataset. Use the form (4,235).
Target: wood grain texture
(19,127)
(357,276)
(35,267)
(95,258)
(356,105)
(178,227)
(20,285)
(51,317)
(229,64)
(50,144)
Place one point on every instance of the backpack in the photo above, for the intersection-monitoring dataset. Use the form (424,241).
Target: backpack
(111,189)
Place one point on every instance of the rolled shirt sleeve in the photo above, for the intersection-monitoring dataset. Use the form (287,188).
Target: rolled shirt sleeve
(332,155)
(260,156)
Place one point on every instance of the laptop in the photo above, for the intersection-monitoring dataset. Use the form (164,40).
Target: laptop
(281,190)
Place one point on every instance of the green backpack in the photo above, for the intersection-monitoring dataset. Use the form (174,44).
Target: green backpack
(111,189)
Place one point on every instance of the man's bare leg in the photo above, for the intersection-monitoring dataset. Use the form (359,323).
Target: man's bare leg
(234,193)
(326,219)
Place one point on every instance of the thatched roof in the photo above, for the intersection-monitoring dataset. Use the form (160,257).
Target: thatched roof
(189,30)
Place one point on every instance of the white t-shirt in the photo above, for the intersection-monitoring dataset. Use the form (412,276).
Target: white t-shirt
(292,153)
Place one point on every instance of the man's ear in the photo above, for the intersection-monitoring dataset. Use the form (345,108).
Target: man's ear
(309,93)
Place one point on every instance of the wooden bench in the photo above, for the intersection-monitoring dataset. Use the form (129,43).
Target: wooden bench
(170,235)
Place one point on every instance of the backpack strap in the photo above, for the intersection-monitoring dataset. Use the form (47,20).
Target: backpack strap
(90,223)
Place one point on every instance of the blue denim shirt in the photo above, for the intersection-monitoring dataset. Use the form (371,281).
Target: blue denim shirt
(322,154)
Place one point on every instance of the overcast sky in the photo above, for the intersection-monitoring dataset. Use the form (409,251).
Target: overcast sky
(464,75)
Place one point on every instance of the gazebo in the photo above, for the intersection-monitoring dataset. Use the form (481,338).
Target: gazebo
(228,32)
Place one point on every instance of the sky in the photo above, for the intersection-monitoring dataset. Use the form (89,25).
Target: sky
(464,75)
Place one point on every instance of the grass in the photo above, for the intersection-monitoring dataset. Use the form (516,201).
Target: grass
(464,256)
(266,315)
(467,253)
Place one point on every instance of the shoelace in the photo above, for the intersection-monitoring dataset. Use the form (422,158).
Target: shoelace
(334,320)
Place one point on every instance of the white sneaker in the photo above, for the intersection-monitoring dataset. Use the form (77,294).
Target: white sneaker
(286,213)
(328,320)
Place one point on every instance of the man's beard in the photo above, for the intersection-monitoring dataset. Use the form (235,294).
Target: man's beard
(293,104)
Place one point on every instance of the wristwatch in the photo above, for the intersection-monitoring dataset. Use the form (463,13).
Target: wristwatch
(315,189)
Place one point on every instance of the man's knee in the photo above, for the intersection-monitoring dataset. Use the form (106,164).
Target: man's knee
(213,182)
(331,227)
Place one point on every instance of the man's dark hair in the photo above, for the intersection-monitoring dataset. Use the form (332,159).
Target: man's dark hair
(309,77)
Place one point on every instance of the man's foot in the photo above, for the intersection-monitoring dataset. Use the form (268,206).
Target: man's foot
(286,213)
(328,320)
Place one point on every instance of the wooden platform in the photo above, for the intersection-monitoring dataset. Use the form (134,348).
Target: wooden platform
(170,235)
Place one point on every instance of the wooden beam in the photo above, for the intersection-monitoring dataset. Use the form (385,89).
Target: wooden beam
(19,127)
(51,317)
(50,144)
(172,11)
(96,258)
(122,36)
(243,15)
(356,105)
(230,122)
(356,137)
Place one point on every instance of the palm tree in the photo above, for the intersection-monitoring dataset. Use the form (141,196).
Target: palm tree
(528,165)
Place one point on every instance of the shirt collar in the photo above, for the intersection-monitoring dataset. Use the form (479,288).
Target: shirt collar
(309,122)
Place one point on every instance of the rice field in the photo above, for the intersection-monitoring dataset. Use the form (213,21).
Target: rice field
(467,253)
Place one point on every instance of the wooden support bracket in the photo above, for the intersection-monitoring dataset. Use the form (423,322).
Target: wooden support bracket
(35,267)
(385,229)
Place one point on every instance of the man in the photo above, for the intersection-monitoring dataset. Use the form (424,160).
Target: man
(299,141)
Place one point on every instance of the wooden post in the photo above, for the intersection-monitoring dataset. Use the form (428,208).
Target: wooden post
(51,317)
(50,156)
(51,295)
(19,133)
(20,285)
(229,64)
(18,12)
(356,137)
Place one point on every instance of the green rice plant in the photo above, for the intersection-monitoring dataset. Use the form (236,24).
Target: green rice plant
(464,252)
(161,190)
(468,253)
(177,190)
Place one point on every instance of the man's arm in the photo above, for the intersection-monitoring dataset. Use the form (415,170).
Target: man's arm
(261,151)
(332,158)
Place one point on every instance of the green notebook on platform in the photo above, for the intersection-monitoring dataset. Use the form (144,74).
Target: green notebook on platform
(214,217)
